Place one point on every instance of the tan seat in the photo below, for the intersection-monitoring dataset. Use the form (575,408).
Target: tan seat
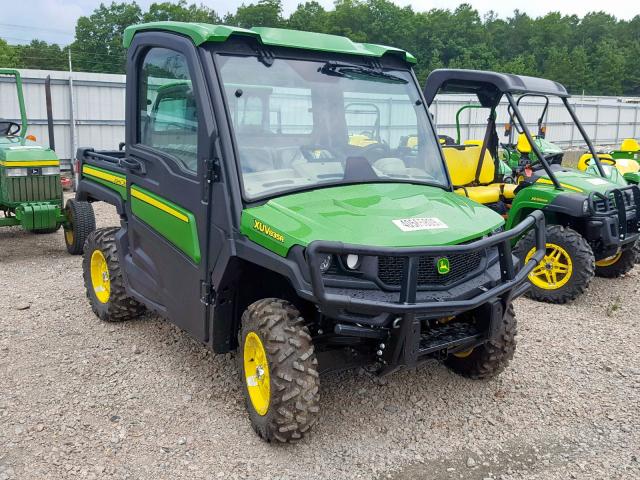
(462,162)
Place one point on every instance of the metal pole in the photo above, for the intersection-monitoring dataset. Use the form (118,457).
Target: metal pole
(635,120)
(595,133)
(47,93)
(573,132)
(72,122)
(618,124)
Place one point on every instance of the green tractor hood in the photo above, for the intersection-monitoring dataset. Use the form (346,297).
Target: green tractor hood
(18,149)
(377,214)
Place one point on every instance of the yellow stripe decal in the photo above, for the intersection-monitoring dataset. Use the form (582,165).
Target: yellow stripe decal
(164,207)
(41,163)
(563,185)
(104,176)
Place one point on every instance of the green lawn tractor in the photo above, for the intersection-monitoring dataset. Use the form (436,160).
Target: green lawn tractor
(592,223)
(30,188)
(275,236)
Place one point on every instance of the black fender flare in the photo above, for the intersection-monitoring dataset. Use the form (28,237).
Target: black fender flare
(90,191)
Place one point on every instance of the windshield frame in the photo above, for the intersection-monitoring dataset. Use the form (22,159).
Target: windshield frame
(244,47)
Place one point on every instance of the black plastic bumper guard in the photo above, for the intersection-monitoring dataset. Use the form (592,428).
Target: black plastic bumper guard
(406,345)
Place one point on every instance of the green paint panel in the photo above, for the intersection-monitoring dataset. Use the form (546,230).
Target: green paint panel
(277,37)
(184,235)
(122,191)
(365,214)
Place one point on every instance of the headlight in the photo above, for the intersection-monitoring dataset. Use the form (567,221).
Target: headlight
(352,261)
(585,207)
(50,170)
(325,263)
(16,172)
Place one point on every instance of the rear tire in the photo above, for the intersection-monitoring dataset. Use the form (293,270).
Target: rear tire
(491,358)
(286,403)
(622,265)
(103,278)
(580,270)
(81,221)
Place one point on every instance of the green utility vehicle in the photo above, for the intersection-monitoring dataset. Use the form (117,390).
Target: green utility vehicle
(591,222)
(30,188)
(251,222)
(622,165)
(510,153)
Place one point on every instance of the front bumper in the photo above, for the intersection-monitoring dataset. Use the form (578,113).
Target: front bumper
(614,219)
(408,302)
(399,321)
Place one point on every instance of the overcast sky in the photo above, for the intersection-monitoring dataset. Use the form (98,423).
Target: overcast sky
(54,20)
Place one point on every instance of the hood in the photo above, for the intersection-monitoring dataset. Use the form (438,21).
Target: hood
(547,147)
(580,182)
(377,214)
(22,149)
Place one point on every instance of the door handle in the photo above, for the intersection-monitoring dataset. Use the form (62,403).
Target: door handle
(132,165)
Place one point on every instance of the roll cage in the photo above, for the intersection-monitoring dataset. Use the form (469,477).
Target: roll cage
(490,87)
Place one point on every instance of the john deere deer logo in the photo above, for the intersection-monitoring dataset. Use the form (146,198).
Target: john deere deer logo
(443,265)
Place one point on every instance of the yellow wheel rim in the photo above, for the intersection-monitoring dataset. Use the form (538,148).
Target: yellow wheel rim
(100,276)
(555,269)
(607,262)
(464,354)
(256,373)
(68,236)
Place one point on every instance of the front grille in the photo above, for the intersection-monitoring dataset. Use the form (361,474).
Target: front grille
(460,265)
(34,188)
(603,205)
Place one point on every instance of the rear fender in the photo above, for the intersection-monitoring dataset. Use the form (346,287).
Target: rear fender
(89,191)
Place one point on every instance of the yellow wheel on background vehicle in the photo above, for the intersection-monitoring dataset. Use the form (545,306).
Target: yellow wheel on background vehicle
(68,236)
(256,373)
(607,262)
(100,280)
(555,269)
(463,354)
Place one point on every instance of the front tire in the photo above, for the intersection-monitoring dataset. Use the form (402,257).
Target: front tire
(567,268)
(103,278)
(278,369)
(617,265)
(81,221)
(490,359)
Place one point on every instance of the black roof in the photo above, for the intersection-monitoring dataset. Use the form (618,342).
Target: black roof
(489,86)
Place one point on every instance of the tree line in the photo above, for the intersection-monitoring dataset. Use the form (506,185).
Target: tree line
(596,54)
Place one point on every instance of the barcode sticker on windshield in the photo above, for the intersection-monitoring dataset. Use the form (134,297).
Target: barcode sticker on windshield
(415,224)
(597,181)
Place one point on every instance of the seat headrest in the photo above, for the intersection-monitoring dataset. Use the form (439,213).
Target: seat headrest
(630,145)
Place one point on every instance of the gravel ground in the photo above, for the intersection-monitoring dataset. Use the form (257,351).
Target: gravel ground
(84,399)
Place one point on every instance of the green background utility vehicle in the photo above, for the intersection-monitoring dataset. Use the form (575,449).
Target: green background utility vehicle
(622,166)
(251,222)
(592,223)
(30,188)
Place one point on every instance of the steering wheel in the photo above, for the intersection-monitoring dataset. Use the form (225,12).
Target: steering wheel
(10,128)
(317,153)
(375,151)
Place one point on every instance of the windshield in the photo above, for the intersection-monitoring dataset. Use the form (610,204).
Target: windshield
(300,124)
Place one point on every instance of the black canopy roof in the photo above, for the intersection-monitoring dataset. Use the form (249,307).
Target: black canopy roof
(488,86)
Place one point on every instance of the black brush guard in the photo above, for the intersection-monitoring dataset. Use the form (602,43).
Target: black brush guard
(406,344)
(617,211)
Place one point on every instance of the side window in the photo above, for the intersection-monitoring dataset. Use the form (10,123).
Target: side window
(168,113)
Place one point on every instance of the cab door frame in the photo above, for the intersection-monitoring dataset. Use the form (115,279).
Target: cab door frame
(163,273)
